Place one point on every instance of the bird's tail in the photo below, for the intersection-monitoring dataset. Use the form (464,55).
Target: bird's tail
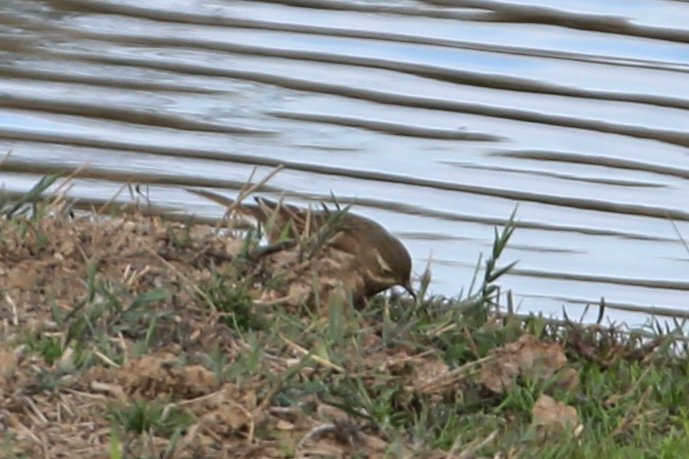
(276,218)
(250,210)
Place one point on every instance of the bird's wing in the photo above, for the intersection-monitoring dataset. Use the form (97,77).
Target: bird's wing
(279,216)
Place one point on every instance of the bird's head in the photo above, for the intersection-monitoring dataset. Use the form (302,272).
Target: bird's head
(389,264)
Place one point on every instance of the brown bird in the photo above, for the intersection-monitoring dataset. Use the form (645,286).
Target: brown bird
(378,258)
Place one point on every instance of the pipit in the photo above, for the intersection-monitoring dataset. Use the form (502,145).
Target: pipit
(363,248)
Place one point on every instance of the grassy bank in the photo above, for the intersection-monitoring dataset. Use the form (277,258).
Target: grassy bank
(132,336)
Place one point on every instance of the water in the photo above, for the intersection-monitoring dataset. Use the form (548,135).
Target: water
(436,117)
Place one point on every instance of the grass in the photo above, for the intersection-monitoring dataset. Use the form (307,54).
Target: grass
(134,336)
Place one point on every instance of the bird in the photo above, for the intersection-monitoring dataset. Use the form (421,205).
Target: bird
(378,259)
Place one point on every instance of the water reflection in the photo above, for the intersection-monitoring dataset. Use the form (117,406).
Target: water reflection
(436,118)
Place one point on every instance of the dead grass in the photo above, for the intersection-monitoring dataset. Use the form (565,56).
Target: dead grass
(132,336)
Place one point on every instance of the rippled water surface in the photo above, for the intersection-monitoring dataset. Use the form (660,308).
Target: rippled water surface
(437,117)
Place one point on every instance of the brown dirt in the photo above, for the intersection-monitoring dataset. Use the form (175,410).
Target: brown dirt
(58,269)
(53,409)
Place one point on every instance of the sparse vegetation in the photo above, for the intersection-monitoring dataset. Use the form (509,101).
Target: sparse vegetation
(133,336)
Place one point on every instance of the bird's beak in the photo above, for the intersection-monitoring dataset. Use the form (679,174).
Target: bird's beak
(407,286)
